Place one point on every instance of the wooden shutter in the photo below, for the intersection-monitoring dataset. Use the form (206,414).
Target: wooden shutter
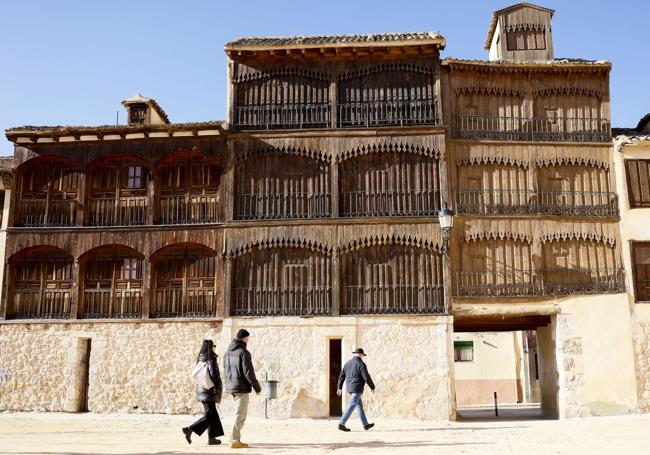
(638,182)
(641,260)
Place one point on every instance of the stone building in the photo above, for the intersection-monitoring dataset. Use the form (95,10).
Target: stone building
(310,217)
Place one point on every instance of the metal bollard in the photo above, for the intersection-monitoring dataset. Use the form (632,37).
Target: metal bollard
(496,406)
(270,393)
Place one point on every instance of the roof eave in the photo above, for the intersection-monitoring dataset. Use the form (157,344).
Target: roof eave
(440,42)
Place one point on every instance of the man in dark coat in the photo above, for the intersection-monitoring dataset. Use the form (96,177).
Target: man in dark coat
(355,375)
(240,379)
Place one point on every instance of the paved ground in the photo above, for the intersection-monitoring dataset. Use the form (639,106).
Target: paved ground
(32,433)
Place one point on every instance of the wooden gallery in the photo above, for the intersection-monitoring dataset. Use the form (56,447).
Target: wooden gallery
(315,217)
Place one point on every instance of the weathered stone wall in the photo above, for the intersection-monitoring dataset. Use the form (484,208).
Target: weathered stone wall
(144,366)
(641,321)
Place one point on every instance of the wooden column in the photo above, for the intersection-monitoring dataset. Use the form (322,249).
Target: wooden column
(445,192)
(336,285)
(75,292)
(230,95)
(81,200)
(6,291)
(334,188)
(227,287)
(446,278)
(147,294)
(334,114)
(528,111)
(151,197)
(230,192)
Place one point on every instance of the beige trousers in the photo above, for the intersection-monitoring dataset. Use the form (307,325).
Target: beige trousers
(241,410)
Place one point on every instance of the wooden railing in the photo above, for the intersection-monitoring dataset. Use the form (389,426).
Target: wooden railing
(399,112)
(111,304)
(401,202)
(41,213)
(280,116)
(188,209)
(512,128)
(393,299)
(283,301)
(34,303)
(124,211)
(191,302)
(497,283)
(262,206)
(528,202)
(582,281)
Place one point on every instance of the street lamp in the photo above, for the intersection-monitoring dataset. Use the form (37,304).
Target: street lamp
(446,220)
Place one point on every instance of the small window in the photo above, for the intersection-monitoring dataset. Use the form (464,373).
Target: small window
(134,179)
(130,270)
(137,114)
(463,351)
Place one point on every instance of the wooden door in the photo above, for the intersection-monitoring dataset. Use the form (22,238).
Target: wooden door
(84,371)
(336,402)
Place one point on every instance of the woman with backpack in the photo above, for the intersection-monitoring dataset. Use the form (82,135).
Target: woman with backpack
(207,366)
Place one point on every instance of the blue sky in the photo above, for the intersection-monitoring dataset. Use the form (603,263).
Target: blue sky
(71,62)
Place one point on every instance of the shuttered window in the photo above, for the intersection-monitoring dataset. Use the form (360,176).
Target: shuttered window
(641,260)
(638,182)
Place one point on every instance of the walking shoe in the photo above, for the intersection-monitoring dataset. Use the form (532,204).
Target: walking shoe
(188,434)
(369,426)
(238,445)
(213,442)
(343,428)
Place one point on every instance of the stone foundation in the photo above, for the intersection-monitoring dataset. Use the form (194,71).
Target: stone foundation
(642,354)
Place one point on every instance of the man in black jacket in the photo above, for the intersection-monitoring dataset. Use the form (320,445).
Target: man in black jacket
(240,379)
(355,375)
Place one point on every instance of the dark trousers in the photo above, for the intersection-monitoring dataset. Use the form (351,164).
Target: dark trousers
(210,420)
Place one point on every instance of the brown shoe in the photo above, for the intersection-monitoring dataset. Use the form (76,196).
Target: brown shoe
(238,445)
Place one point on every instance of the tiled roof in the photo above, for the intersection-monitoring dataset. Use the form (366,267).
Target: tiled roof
(82,128)
(556,64)
(306,40)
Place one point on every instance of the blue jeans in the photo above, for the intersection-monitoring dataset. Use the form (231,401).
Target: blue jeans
(355,402)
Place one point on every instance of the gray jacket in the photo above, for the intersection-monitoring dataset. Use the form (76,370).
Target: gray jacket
(355,375)
(238,370)
(214,394)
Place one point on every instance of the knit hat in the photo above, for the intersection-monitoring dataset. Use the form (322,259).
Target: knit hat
(242,333)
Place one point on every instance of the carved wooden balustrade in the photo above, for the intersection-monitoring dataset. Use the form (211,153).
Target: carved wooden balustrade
(189,209)
(175,302)
(111,303)
(122,211)
(495,202)
(262,206)
(282,301)
(282,116)
(34,303)
(393,299)
(578,203)
(46,213)
(575,281)
(497,283)
(388,112)
(391,202)
(504,128)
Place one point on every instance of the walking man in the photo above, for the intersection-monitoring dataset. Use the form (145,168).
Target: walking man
(240,381)
(355,375)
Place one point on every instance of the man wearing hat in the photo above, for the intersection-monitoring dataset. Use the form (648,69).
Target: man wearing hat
(240,379)
(355,375)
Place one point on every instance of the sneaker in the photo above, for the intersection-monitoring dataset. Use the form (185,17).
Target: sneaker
(188,434)
(238,445)
(343,428)
(369,426)
(213,442)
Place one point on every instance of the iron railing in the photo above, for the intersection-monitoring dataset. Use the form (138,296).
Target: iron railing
(578,203)
(280,116)
(393,299)
(123,211)
(495,202)
(44,213)
(513,128)
(497,283)
(192,302)
(188,209)
(528,202)
(402,202)
(110,303)
(33,303)
(282,301)
(400,112)
(263,206)
(523,283)
(582,281)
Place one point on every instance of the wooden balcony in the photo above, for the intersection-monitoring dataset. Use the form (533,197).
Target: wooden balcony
(176,302)
(189,209)
(393,299)
(282,116)
(282,301)
(401,202)
(265,206)
(123,211)
(528,202)
(110,303)
(495,202)
(529,283)
(44,213)
(503,128)
(498,283)
(397,112)
(35,303)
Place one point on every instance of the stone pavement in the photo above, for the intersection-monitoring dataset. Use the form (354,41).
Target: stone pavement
(53,433)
